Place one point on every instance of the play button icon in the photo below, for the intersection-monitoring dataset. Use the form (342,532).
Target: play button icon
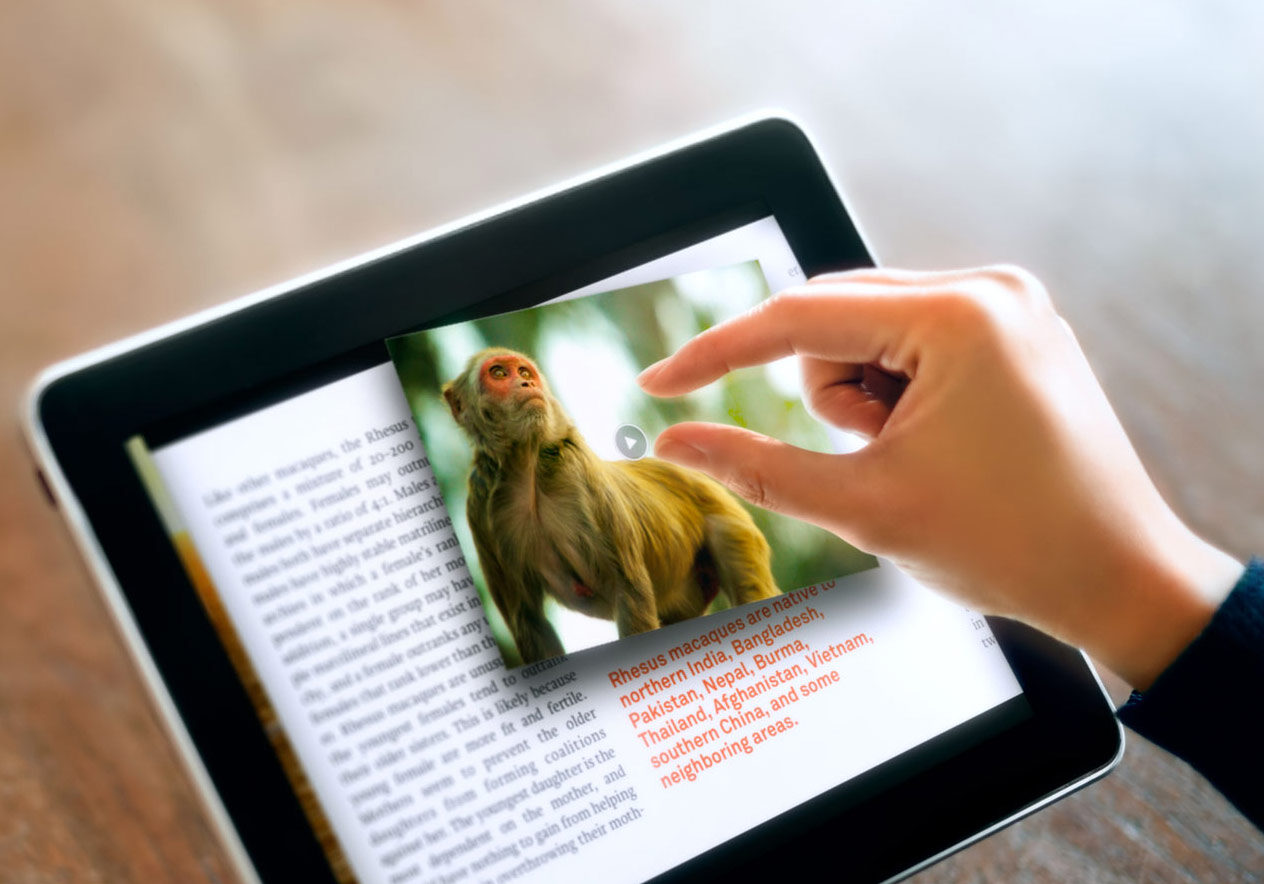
(631,441)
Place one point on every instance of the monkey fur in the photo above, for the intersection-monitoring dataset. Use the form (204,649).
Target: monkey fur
(643,543)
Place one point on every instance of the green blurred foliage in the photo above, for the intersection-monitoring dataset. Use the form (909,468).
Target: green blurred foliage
(597,344)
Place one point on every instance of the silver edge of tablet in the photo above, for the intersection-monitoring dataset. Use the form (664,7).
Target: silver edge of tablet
(85,540)
(77,521)
(1066,790)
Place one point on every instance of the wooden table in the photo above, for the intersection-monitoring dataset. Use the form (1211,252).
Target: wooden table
(157,157)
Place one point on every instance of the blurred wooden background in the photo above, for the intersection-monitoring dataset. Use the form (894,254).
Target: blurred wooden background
(158,157)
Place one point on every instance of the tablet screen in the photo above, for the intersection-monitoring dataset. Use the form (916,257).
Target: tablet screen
(328,539)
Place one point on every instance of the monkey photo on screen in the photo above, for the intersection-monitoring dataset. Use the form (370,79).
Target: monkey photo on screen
(644,543)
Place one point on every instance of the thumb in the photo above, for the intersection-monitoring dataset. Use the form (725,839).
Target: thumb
(823,489)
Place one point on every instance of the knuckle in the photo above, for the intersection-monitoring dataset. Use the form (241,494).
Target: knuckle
(789,304)
(1016,281)
(963,309)
(777,306)
(816,399)
(992,303)
(705,349)
(750,485)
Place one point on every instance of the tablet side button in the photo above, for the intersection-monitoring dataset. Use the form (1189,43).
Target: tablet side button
(48,491)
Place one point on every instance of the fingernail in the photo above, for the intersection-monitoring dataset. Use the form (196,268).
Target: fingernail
(682,453)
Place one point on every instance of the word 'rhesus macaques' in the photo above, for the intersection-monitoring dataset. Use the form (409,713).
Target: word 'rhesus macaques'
(643,543)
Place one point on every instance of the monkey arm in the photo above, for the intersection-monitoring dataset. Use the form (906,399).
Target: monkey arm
(636,609)
(536,637)
(521,602)
(635,602)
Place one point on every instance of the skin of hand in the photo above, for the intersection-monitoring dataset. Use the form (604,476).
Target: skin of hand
(996,470)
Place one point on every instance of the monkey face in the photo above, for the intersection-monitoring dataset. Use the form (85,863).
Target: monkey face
(501,399)
(512,378)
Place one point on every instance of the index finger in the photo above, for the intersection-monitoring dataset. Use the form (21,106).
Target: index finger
(848,324)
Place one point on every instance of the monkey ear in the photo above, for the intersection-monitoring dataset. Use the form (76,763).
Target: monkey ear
(453,398)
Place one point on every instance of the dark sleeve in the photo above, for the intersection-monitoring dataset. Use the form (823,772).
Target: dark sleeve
(1208,706)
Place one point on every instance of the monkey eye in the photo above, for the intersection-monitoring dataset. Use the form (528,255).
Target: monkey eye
(524,372)
(498,372)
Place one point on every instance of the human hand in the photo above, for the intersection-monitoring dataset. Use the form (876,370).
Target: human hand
(997,472)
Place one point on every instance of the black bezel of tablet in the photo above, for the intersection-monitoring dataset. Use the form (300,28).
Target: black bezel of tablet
(928,801)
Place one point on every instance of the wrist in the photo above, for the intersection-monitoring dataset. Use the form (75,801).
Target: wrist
(1161,602)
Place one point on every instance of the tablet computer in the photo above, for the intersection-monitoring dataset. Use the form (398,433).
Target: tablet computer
(281,500)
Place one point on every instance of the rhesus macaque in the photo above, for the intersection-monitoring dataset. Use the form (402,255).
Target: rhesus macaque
(643,543)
